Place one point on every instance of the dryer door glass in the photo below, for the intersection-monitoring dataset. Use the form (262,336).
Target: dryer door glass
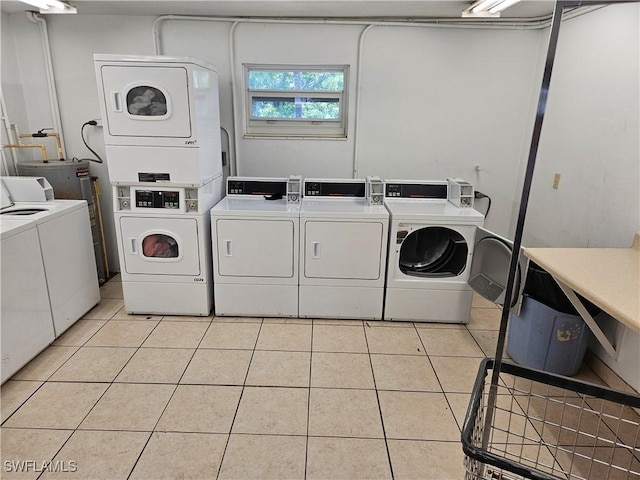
(160,246)
(147,101)
(433,252)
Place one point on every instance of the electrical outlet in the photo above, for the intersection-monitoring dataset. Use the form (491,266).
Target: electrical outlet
(556,180)
(98,122)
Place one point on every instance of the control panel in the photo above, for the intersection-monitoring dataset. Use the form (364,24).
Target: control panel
(246,186)
(168,200)
(157,199)
(431,190)
(331,188)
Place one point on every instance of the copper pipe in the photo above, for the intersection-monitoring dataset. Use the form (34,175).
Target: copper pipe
(43,134)
(31,145)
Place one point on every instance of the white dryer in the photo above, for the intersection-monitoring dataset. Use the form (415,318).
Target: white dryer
(67,251)
(149,103)
(255,232)
(438,253)
(343,248)
(26,326)
(164,244)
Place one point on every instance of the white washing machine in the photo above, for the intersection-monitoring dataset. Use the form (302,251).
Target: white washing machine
(66,245)
(343,248)
(149,103)
(164,244)
(26,326)
(255,233)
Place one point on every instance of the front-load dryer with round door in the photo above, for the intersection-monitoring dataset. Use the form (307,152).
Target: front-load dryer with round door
(343,247)
(431,245)
(67,250)
(164,243)
(255,231)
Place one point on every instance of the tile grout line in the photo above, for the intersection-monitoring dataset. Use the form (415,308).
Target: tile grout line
(153,430)
(444,394)
(235,414)
(75,429)
(375,386)
(306,448)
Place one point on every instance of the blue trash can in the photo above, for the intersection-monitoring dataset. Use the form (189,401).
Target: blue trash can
(547,339)
(548,334)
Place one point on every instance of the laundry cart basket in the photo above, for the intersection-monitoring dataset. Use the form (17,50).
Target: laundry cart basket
(543,426)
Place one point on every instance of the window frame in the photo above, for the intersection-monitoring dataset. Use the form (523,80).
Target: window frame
(313,128)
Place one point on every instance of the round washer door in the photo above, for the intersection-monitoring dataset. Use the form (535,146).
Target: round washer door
(433,252)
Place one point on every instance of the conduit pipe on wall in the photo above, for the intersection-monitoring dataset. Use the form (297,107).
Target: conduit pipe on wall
(356,123)
(511,24)
(51,82)
(233,166)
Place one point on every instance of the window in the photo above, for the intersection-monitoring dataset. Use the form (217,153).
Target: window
(296,101)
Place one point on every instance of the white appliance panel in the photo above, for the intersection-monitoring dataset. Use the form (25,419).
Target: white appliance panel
(428,305)
(256,300)
(25,317)
(157,298)
(146,239)
(341,302)
(343,250)
(69,262)
(255,248)
(136,96)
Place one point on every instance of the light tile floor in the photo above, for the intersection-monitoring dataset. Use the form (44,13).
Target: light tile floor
(144,396)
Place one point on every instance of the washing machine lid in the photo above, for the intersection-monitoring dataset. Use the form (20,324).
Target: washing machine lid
(490,268)
(432,212)
(41,212)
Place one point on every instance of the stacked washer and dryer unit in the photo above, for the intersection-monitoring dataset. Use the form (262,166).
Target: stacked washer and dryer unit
(162,136)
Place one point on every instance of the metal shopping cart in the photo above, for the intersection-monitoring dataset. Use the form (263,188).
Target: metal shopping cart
(524,423)
(545,426)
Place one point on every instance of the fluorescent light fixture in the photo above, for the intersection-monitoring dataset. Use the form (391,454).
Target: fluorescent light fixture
(488,8)
(51,6)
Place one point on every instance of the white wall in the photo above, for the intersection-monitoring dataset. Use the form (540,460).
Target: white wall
(591,136)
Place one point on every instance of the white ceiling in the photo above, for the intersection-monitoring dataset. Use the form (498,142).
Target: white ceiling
(291,8)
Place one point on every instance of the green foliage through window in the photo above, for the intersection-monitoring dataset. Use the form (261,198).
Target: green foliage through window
(296,107)
(300,101)
(298,80)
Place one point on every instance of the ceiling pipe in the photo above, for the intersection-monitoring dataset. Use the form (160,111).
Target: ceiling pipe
(51,82)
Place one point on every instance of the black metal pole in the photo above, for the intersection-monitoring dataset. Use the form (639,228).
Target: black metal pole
(526,189)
